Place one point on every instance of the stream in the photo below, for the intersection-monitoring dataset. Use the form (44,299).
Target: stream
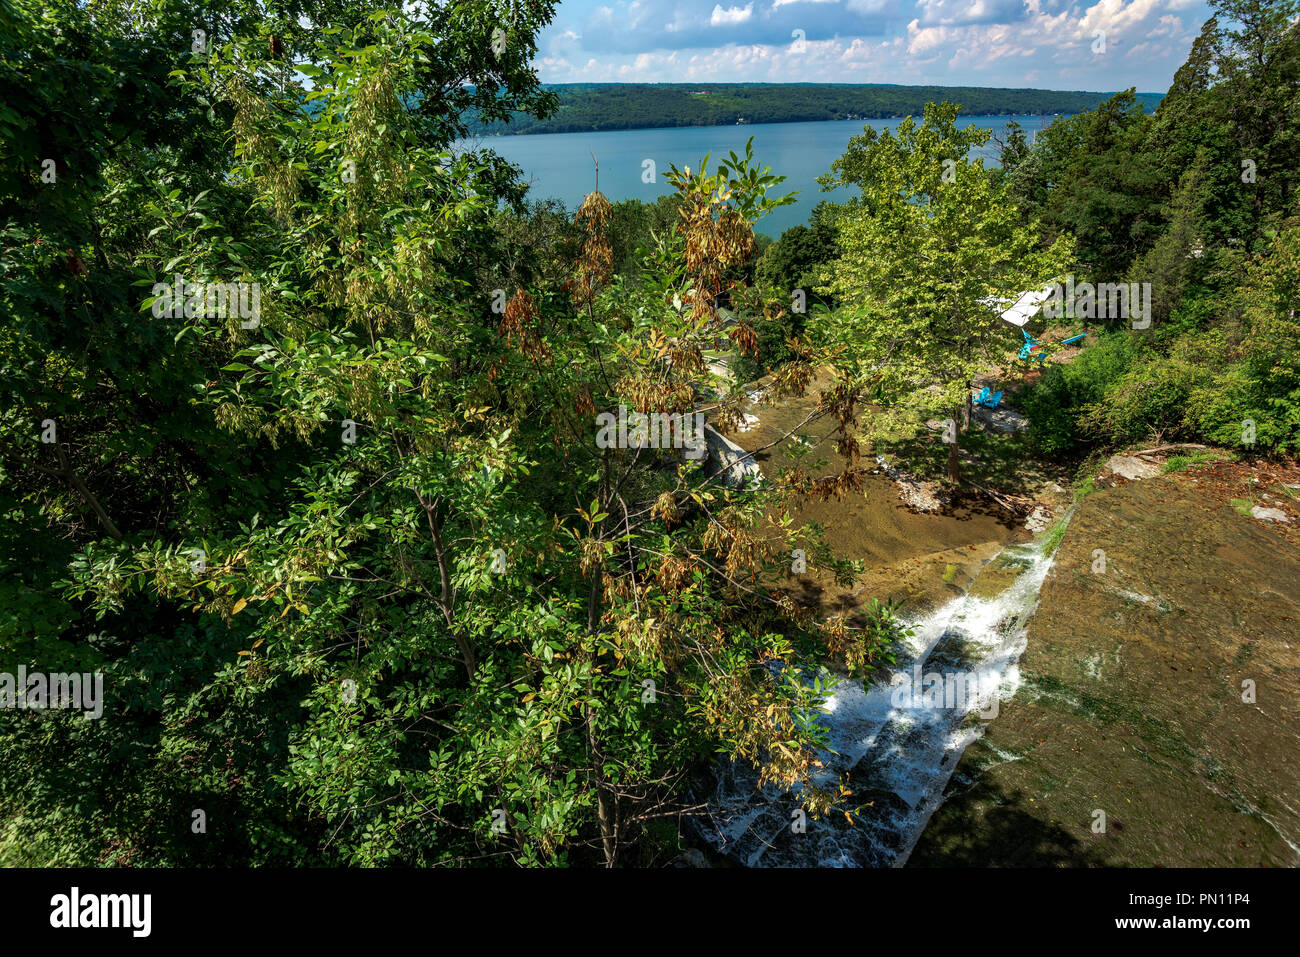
(896,742)
(897,759)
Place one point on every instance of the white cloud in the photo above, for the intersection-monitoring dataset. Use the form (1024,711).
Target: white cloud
(953,42)
(730,16)
(1063,40)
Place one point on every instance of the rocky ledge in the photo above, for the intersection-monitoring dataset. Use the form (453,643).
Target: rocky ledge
(1158,719)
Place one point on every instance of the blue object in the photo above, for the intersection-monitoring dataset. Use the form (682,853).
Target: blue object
(988,399)
(1066,342)
(1031,350)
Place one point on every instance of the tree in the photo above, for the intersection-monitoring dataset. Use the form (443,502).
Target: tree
(633,228)
(1101,197)
(147,175)
(358,572)
(795,261)
(932,240)
(1258,66)
(1178,256)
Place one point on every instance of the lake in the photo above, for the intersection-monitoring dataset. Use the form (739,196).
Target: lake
(559,165)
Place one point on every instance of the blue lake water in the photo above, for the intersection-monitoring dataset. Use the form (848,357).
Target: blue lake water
(559,165)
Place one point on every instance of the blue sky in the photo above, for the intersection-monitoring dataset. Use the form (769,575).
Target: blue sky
(1051,44)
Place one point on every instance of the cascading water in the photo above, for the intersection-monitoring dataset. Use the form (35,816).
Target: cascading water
(898,741)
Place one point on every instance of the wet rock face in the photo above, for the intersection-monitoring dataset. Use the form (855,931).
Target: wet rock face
(894,742)
(1158,719)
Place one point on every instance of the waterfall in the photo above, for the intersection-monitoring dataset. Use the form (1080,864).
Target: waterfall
(898,753)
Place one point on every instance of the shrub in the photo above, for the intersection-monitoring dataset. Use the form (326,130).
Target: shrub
(1054,403)
(1151,397)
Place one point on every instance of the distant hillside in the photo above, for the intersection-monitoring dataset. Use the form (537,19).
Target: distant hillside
(586,107)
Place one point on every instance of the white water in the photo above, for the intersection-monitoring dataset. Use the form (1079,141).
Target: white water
(900,758)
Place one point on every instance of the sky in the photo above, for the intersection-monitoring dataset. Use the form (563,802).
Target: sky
(1048,44)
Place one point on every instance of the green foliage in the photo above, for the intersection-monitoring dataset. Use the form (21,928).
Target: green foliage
(1180,200)
(1089,186)
(797,259)
(635,227)
(930,240)
(789,270)
(410,639)
(1055,402)
(1216,364)
(1052,539)
(1150,399)
(1181,463)
(430,604)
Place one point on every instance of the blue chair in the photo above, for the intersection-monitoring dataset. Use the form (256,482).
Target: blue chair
(1031,350)
(988,399)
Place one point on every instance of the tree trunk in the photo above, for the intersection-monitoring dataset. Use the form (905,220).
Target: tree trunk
(606,809)
(86,494)
(447,599)
(954,463)
(604,800)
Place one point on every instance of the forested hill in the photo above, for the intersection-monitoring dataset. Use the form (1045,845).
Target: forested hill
(585,107)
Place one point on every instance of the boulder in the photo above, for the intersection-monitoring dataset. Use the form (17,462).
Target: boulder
(734,466)
(1269,514)
(1039,519)
(1001,419)
(1131,467)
